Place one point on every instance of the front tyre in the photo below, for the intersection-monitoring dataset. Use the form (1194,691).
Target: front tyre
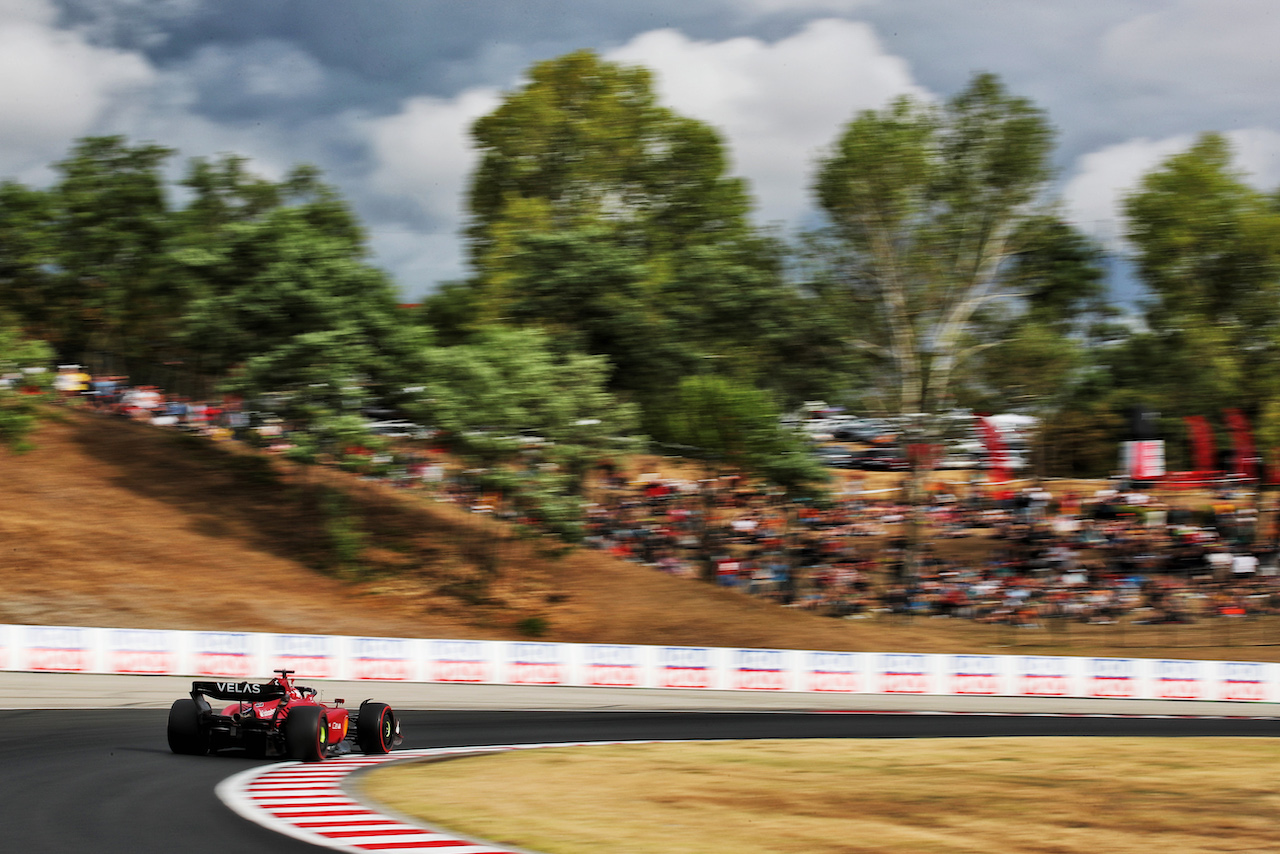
(306,733)
(375,728)
(185,733)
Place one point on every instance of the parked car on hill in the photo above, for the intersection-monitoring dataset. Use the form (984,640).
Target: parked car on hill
(880,459)
(833,456)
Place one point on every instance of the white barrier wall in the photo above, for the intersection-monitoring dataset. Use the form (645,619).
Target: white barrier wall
(250,655)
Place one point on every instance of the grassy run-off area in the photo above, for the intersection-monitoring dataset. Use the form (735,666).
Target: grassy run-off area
(841,796)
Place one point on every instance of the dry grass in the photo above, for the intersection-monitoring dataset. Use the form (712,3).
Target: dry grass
(949,796)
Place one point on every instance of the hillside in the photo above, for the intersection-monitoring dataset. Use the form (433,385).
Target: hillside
(111,523)
(119,524)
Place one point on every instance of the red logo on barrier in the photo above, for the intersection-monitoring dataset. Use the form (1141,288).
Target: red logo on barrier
(760,680)
(844,683)
(140,661)
(536,673)
(461,671)
(686,677)
(304,666)
(223,664)
(386,669)
(1180,689)
(70,660)
(1249,691)
(1114,687)
(904,683)
(1044,686)
(976,683)
(613,675)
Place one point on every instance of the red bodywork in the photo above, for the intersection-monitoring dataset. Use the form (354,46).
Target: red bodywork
(275,712)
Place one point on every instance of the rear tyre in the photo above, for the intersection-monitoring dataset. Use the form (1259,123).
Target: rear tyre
(375,728)
(185,733)
(306,733)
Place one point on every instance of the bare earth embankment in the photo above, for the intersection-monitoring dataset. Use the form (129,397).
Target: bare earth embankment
(110,523)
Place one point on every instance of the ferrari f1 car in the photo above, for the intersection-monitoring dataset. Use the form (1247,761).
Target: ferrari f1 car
(277,719)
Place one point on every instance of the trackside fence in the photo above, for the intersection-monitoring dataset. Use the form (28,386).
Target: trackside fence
(253,655)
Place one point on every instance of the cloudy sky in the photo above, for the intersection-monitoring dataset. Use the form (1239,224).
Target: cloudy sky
(380,93)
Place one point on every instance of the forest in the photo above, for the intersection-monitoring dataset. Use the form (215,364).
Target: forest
(620,296)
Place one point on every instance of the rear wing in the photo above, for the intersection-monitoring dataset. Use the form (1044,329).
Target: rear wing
(253,692)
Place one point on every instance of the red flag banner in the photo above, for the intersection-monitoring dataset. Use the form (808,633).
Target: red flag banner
(1202,450)
(1246,459)
(997,456)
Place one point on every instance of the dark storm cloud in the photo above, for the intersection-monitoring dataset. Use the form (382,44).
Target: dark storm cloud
(378,52)
(379,93)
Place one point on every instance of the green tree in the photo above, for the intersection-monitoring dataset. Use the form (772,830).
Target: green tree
(585,141)
(733,428)
(279,286)
(28,247)
(927,202)
(112,286)
(83,264)
(600,215)
(1030,350)
(534,417)
(24,362)
(1208,250)
(283,302)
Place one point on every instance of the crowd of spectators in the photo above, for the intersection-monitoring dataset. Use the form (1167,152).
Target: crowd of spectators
(1022,559)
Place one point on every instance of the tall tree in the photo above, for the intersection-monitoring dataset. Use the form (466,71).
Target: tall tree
(1030,350)
(507,389)
(1209,253)
(282,298)
(113,220)
(19,358)
(927,202)
(83,264)
(602,215)
(585,141)
(28,247)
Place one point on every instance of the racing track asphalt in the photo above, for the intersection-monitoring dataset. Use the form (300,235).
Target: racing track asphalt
(104,780)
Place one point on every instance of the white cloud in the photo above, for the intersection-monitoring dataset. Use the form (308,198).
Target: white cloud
(422,159)
(1258,155)
(822,7)
(1094,195)
(268,68)
(1219,52)
(780,103)
(28,11)
(424,152)
(420,260)
(54,86)
(1102,178)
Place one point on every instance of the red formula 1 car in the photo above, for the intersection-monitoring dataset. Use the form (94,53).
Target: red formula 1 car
(277,719)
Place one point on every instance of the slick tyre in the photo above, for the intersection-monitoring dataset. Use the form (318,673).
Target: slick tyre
(306,733)
(185,733)
(375,728)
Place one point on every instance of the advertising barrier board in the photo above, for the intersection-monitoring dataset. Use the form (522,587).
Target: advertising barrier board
(251,655)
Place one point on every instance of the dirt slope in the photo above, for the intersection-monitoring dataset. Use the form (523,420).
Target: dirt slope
(117,524)
(109,523)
